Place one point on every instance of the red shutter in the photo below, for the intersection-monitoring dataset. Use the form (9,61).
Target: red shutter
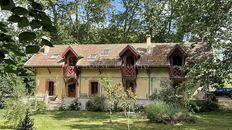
(46,87)
(76,89)
(99,90)
(66,88)
(54,93)
(90,88)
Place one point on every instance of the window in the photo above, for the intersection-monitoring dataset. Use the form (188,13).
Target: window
(177,60)
(92,57)
(105,52)
(54,56)
(94,88)
(129,61)
(72,61)
(51,88)
(130,85)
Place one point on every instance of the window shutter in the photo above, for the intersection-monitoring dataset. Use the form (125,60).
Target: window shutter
(46,87)
(90,88)
(99,90)
(54,93)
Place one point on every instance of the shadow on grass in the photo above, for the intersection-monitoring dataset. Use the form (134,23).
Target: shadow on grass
(2,127)
(104,126)
(61,115)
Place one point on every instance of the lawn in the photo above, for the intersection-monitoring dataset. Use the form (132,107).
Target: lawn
(66,120)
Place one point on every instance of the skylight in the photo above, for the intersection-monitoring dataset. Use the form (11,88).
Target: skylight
(105,52)
(54,56)
(92,57)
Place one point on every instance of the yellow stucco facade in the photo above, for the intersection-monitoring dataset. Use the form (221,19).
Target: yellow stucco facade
(146,82)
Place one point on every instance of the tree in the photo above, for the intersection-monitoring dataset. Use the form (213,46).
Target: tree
(112,93)
(26,123)
(22,39)
(115,94)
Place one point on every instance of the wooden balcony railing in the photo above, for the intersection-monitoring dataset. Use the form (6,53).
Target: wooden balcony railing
(128,71)
(176,72)
(70,71)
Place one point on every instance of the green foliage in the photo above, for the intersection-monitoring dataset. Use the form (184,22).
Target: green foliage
(15,38)
(38,106)
(75,105)
(26,123)
(97,104)
(15,110)
(161,112)
(167,93)
(202,105)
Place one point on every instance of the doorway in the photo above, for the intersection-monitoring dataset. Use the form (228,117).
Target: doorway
(72,90)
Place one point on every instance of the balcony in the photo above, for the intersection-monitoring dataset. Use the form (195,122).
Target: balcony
(70,72)
(176,72)
(128,71)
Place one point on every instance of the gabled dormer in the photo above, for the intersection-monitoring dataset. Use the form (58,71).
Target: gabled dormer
(176,58)
(70,57)
(129,56)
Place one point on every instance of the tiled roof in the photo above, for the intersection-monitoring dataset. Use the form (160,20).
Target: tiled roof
(156,57)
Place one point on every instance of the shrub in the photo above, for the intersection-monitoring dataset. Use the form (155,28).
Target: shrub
(75,105)
(138,108)
(38,106)
(202,105)
(26,123)
(161,112)
(167,94)
(96,104)
(1,103)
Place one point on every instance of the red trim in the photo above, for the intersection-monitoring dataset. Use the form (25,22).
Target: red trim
(54,91)
(46,86)
(66,88)
(131,49)
(76,93)
(69,49)
(177,46)
(98,91)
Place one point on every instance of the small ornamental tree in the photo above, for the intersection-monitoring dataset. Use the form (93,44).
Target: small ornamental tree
(115,93)
(112,93)
(26,123)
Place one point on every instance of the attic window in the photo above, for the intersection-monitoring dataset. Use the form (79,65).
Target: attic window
(105,52)
(92,57)
(54,56)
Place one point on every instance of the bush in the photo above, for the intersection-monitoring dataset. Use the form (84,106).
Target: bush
(138,108)
(1,103)
(40,106)
(26,123)
(75,105)
(167,94)
(161,112)
(96,104)
(202,105)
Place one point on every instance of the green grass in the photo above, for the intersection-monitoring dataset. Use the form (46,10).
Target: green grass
(67,120)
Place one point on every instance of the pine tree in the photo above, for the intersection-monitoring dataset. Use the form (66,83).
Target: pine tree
(26,123)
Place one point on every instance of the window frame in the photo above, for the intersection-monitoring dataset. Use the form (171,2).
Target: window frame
(90,87)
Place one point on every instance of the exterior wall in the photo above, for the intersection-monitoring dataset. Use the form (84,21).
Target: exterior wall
(157,75)
(94,74)
(43,75)
(143,89)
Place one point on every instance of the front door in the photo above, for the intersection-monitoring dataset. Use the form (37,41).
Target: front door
(72,90)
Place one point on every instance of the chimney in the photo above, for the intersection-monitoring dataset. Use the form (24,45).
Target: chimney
(148,41)
(46,49)
(149,46)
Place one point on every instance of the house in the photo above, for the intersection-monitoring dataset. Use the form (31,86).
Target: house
(75,71)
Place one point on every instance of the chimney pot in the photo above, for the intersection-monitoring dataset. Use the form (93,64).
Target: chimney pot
(46,49)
